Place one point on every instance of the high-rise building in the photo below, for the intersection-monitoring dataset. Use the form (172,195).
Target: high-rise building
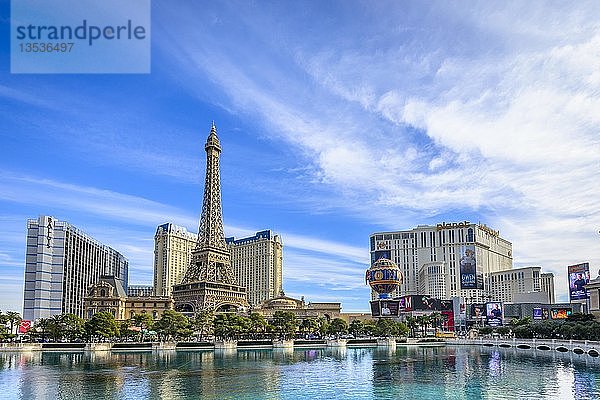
(256,261)
(173,247)
(61,263)
(525,284)
(209,282)
(257,265)
(445,260)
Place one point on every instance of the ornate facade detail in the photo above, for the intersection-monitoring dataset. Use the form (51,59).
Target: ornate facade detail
(209,281)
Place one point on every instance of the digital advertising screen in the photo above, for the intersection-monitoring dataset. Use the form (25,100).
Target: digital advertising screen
(579,276)
(385,308)
(406,303)
(493,313)
(378,254)
(470,278)
(390,308)
(375,308)
(545,313)
(477,311)
(424,303)
(560,313)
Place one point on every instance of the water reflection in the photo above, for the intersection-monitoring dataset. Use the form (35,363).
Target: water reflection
(336,373)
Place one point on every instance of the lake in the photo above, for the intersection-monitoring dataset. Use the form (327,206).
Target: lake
(452,372)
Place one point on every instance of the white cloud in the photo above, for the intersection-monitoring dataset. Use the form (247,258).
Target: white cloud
(512,121)
(49,193)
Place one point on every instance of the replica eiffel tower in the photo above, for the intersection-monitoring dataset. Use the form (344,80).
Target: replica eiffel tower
(209,282)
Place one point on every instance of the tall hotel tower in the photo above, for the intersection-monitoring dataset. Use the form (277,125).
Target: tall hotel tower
(257,264)
(445,260)
(61,264)
(257,261)
(209,282)
(173,247)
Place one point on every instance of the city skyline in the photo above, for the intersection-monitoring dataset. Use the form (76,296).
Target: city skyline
(337,120)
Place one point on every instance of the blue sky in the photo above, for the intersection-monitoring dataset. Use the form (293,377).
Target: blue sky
(337,119)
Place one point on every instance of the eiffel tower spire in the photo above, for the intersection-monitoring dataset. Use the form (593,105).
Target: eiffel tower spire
(210,259)
(209,283)
(210,232)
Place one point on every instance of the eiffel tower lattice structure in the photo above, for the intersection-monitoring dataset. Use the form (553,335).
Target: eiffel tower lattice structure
(209,282)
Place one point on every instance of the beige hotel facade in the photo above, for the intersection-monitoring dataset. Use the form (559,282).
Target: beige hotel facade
(433,261)
(256,261)
(430,257)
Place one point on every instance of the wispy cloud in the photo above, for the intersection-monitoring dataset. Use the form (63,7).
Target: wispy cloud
(496,122)
(110,204)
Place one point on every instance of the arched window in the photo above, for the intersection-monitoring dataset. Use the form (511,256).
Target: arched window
(103,293)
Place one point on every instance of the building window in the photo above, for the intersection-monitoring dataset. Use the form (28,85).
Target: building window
(470,236)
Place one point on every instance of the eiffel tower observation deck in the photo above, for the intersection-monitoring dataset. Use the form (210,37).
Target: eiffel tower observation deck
(209,282)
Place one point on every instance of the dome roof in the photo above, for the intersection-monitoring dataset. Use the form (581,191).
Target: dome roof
(384,263)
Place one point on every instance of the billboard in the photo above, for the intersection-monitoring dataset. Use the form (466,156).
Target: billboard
(385,308)
(560,313)
(376,255)
(579,276)
(470,278)
(477,311)
(406,303)
(424,303)
(375,308)
(537,313)
(493,313)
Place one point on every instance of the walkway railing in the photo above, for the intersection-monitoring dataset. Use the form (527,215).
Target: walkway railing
(589,347)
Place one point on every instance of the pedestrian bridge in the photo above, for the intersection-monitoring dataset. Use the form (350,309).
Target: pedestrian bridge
(588,347)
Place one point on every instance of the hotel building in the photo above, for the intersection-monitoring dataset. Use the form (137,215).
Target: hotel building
(140,291)
(60,265)
(173,247)
(256,261)
(444,260)
(257,265)
(527,284)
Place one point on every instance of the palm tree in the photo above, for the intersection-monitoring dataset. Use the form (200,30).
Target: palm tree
(14,318)
(412,324)
(435,318)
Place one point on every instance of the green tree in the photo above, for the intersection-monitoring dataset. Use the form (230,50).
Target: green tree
(258,325)
(102,325)
(356,328)
(323,326)
(71,326)
(14,319)
(144,322)
(485,330)
(3,328)
(228,326)
(309,326)
(423,321)
(54,327)
(124,331)
(173,325)
(412,324)
(285,324)
(370,328)
(338,327)
(203,323)
(578,317)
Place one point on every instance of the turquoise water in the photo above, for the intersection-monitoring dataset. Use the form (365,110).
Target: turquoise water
(356,373)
